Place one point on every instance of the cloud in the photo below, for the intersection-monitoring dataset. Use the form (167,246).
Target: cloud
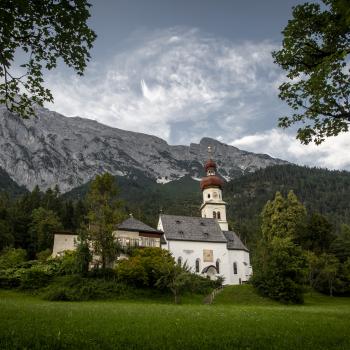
(332,154)
(182,84)
(174,77)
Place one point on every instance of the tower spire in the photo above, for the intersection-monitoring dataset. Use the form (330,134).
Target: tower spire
(211,185)
(210,150)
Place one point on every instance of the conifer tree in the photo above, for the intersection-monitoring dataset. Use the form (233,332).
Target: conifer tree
(103,216)
(279,263)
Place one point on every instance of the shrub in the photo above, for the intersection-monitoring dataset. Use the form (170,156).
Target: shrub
(68,263)
(77,288)
(8,279)
(44,255)
(144,267)
(35,278)
(202,285)
(12,257)
(107,273)
(132,271)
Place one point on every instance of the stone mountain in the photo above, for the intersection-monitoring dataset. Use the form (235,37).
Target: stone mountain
(53,149)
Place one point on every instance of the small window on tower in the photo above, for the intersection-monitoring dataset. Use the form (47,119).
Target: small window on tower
(219,215)
(214,214)
(208,195)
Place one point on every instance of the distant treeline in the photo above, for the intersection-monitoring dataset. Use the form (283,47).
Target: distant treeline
(321,191)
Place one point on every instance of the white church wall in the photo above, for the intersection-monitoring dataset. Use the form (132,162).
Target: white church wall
(241,258)
(191,251)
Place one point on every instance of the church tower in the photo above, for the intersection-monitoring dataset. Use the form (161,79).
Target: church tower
(211,185)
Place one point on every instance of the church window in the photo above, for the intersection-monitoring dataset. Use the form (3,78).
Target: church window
(197,265)
(235,270)
(179,260)
(219,215)
(208,195)
(217,264)
(214,214)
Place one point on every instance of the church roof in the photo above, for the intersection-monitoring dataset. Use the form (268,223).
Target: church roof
(132,224)
(233,241)
(188,228)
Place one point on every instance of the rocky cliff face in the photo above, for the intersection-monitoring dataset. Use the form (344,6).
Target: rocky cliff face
(52,149)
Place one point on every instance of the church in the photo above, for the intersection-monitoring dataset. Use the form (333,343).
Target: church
(205,243)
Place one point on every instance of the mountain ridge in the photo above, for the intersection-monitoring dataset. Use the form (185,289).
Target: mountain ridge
(53,149)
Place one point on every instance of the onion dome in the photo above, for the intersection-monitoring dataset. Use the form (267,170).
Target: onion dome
(211,181)
(209,164)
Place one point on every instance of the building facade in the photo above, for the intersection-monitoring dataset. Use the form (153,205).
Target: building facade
(205,243)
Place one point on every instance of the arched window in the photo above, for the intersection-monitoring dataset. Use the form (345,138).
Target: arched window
(214,214)
(179,260)
(217,264)
(208,195)
(235,270)
(218,215)
(197,265)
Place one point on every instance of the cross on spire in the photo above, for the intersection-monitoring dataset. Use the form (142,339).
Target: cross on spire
(209,152)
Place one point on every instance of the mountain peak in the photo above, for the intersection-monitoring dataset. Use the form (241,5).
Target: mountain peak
(53,149)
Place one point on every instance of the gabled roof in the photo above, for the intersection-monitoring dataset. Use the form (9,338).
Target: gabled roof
(233,241)
(188,228)
(132,224)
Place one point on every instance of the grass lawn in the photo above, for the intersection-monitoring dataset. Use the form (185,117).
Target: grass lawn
(238,319)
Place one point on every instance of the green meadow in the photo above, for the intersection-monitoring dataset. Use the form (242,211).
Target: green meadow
(238,319)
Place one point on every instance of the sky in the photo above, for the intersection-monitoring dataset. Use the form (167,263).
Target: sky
(187,69)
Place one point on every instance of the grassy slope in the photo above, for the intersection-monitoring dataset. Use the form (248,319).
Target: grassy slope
(237,320)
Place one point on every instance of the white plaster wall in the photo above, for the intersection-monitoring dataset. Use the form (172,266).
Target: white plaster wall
(215,194)
(63,242)
(243,266)
(190,251)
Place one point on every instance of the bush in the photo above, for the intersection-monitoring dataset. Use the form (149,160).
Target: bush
(107,273)
(77,288)
(12,257)
(201,285)
(35,278)
(68,263)
(8,279)
(44,255)
(132,271)
(144,267)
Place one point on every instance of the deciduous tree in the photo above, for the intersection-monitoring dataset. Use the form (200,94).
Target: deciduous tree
(315,54)
(103,216)
(39,33)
